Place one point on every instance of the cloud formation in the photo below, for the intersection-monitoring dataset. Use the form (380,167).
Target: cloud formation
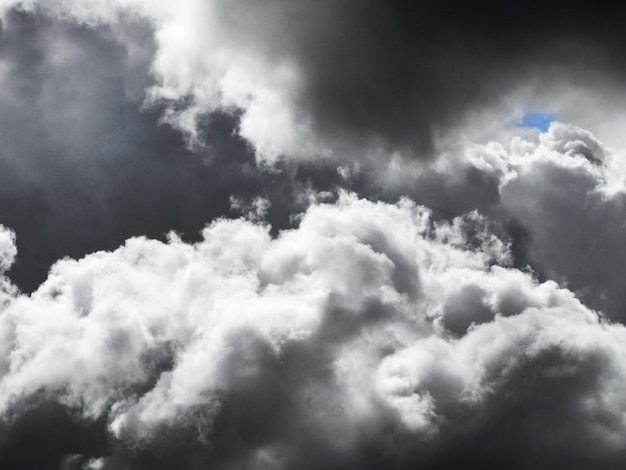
(351,78)
(84,165)
(564,193)
(462,307)
(368,325)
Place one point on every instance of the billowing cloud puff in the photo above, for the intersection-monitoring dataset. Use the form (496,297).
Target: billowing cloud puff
(565,194)
(368,324)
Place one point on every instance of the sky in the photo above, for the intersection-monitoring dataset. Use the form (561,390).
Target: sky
(349,234)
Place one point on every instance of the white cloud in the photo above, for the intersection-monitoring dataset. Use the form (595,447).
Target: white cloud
(163,334)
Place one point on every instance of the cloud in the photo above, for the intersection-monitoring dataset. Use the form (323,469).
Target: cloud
(85,165)
(564,193)
(354,331)
(349,79)
(367,325)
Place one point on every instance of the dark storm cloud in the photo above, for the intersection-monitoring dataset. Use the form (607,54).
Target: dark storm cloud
(536,418)
(84,165)
(45,433)
(353,78)
(392,76)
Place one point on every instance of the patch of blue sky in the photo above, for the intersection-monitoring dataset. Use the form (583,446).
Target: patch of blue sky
(536,120)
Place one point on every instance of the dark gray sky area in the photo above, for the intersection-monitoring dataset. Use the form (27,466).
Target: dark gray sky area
(344,234)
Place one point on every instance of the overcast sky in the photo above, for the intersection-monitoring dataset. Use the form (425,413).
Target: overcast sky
(312,234)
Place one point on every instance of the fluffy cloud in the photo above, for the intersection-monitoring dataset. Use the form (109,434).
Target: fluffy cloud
(564,192)
(367,317)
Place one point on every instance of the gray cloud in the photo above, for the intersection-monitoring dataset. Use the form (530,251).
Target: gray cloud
(85,165)
(562,194)
(363,333)
(245,350)
(351,78)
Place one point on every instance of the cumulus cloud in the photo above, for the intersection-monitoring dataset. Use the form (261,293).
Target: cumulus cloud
(367,325)
(463,310)
(564,192)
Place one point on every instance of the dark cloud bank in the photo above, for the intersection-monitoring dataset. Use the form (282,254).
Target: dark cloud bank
(243,235)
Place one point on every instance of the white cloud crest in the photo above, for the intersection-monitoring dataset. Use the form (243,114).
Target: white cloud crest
(405,319)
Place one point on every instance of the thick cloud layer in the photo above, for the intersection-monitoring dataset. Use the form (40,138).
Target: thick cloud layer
(350,78)
(476,323)
(366,338)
